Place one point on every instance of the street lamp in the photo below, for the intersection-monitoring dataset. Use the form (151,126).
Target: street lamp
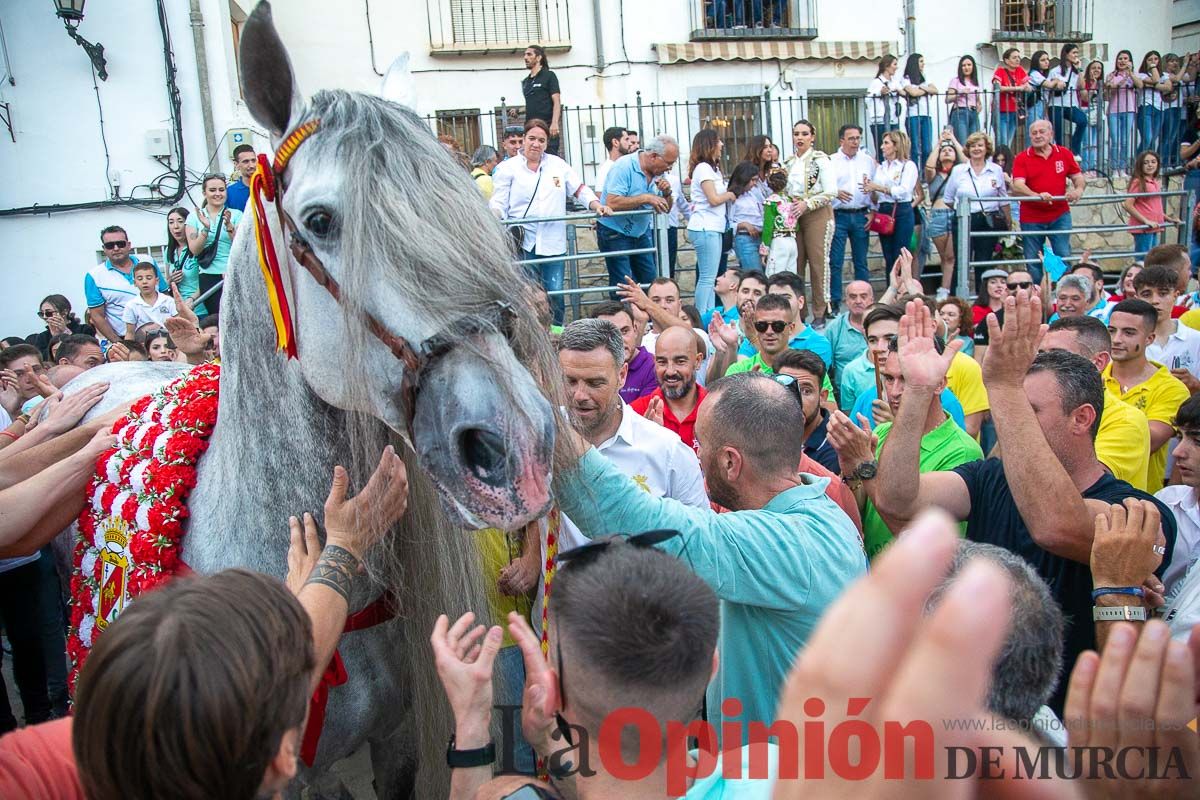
(71,13)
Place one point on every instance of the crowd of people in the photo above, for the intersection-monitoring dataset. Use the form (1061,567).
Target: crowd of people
(744,534)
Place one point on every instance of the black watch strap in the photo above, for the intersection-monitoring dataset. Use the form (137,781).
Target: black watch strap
(464,759)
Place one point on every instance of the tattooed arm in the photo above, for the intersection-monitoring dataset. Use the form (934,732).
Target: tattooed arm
(322,578)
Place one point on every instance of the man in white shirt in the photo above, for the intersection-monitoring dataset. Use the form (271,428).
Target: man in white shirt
(592,355)
(616,144)
(1181,578)
(850,165)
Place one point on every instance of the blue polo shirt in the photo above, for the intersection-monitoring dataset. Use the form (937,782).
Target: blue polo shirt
(237,194)
(626,179)
(950,404)
(730,315)
(105,285)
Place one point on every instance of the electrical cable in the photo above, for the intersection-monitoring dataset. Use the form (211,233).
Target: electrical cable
(175,105)
(371,37)
(108,181)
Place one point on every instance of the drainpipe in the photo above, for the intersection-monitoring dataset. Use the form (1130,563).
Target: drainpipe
(910,26)
(597,21)
(197,22)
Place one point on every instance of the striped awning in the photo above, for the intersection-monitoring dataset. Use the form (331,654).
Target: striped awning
(1088,51)
(771,50)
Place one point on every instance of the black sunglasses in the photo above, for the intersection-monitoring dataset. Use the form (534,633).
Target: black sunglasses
(779,326)
(117,244)
(1012,287)
(48,314)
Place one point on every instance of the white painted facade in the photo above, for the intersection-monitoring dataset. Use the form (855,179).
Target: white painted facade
(58,157)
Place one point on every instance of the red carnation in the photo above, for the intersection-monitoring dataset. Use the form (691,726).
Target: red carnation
(129,510)
(108,496)
(165,478)
(76,649)
(184,448)
(139,408)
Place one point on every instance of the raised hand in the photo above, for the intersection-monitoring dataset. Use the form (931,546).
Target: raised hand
(539,701)
(920,363)
(10,394)
(654,410)
(188,339)
(855,444)
(183,307)
(629,291)
(361,521)
(117,352)
(464,657)
(721,334)
(1011,349)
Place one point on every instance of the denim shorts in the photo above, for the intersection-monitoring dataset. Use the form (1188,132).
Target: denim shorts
(940,221)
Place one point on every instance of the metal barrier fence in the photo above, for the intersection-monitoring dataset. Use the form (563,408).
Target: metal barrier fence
(965,266)
(1106,129)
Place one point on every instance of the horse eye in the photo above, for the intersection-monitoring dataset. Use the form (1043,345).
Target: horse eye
(319,222)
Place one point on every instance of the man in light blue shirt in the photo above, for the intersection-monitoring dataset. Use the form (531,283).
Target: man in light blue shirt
(776,563)
(635,183)
(109,286)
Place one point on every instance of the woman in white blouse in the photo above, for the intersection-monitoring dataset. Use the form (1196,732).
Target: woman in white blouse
(921,96)
(1063,88)
(884,107)
(980,177)
(535,184)
(710,200)
(812,186)
(892,193)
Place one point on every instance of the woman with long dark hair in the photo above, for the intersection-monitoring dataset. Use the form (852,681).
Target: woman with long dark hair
(1039,72)
(1063,85)
(921,95)
(1011,83)
(761,151)
(1091,95)
(812,186)
(210,231)
(182,268)
(1122,99)
(708,223)
(1153,83)
(884,108)
(55,311)
(964,95)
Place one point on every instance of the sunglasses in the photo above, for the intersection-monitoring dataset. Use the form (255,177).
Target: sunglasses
(48,314)
(115,245)
(779,326)
(1012,287)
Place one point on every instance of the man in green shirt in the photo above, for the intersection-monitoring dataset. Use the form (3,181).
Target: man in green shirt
(944,446)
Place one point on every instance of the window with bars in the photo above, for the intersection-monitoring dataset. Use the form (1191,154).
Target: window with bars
(495,21)
(736,119)
(462,125)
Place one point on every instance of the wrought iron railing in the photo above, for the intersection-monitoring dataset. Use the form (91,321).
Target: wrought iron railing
(750,19)
(481,26)
(1042,20)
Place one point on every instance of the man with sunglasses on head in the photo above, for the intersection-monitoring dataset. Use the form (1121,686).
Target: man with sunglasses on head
(109,286)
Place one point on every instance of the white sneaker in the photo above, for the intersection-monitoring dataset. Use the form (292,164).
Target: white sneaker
(942,294)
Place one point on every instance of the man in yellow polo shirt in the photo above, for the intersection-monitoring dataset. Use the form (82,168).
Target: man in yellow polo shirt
(965,379)
(1142,383)
(1123,441)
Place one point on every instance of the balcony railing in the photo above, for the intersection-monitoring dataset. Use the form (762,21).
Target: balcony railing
(497,26)
(753,19)
(1042,20)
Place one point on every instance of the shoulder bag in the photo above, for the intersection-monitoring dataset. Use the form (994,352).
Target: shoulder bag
(517,232)
(206,256)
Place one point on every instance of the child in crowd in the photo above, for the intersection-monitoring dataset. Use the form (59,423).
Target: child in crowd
(1142,205)
(779,226)
(150,305)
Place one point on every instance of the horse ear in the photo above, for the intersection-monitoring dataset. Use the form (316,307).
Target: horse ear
(268,83)
(397,85)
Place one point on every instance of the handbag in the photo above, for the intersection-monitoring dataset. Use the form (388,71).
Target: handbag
(883,224)
(995,219)
(206,256)
(517,232)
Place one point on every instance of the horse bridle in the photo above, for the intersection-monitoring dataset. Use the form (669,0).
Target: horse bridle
(497,316)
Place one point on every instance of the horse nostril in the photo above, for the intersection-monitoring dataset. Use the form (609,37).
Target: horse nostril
(483,452)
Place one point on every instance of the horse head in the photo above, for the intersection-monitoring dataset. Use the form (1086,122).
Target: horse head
(405,304)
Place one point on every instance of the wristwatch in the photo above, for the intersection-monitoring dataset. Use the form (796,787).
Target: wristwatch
(1118,614)
(863,472)
(464,759)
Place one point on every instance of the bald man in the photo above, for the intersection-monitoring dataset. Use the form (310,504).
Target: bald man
(845,332)
(1043,171)
(678,353)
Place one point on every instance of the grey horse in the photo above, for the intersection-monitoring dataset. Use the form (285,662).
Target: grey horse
(407,238)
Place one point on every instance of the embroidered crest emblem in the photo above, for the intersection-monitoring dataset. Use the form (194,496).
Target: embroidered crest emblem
(115,559)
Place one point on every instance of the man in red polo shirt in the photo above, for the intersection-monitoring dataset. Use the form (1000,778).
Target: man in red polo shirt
(1043,171)
(678,352)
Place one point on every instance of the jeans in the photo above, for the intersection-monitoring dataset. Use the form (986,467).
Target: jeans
(1033,238)
(850,225)
(550,275)
(640,267)
(1059,116)
(1091,148)
(708,254)
(901,235)
(745,247)
(1168,141)
(1120,140)
(1007,128)
(1149,124)
(52,622)
(1142,242)
(510,686)
(964,121)
(920,133)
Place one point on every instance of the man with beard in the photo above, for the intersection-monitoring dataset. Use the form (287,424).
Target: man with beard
(678,352)
(944,446)
(592,356)
(777,561)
